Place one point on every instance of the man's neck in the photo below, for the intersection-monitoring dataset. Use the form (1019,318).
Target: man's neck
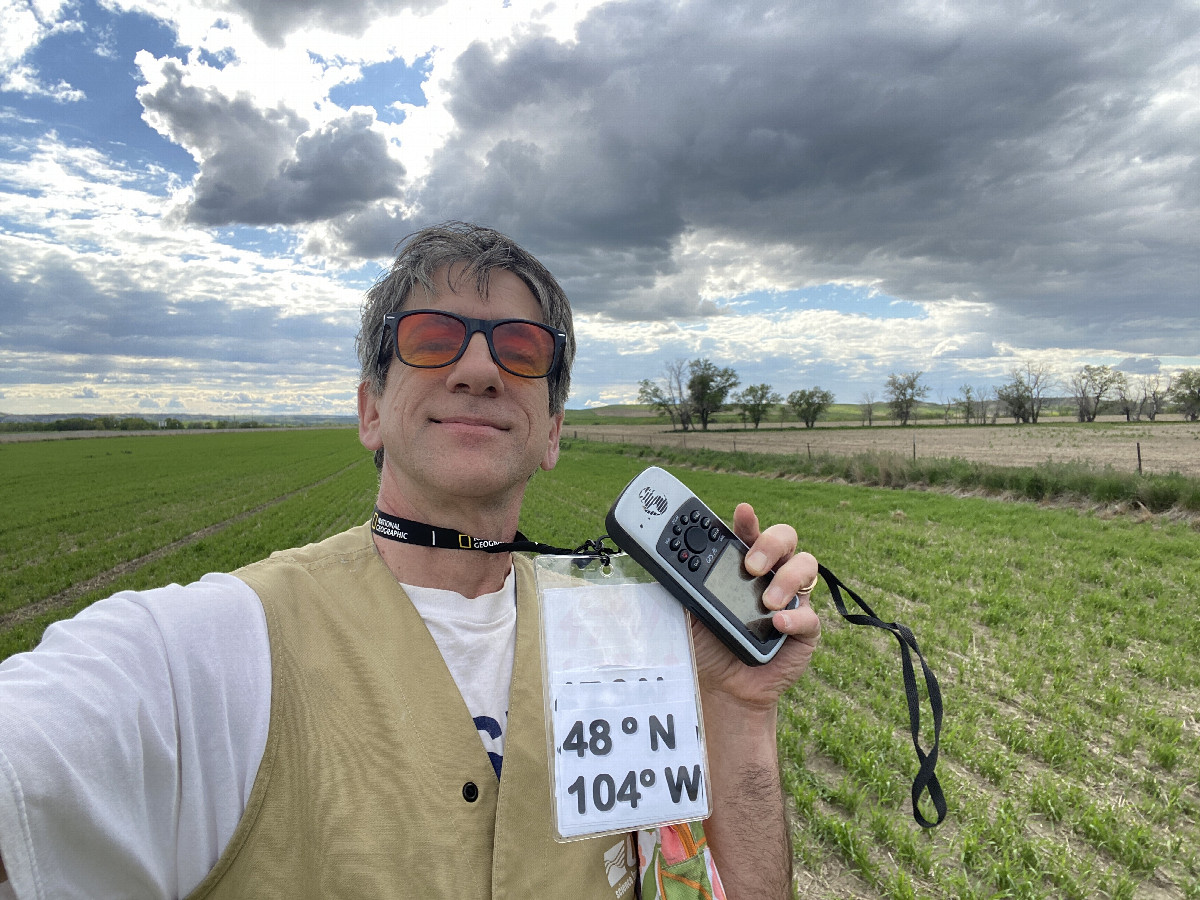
(469,572)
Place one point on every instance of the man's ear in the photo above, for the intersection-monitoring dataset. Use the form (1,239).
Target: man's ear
(369,433)
(550,460)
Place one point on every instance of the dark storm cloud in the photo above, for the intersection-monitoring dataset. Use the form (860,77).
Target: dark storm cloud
(273,20)
(102,325)
(263,166)
(1021,156)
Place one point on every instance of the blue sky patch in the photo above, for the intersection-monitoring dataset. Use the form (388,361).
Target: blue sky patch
(847,299)
(217,60)
(383,84)
(98,60)
(271,242)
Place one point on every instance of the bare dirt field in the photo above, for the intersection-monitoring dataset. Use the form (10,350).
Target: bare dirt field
(1165,447)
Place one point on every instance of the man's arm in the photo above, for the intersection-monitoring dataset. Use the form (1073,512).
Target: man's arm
(748,831)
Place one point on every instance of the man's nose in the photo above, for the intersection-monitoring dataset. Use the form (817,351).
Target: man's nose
(476,368)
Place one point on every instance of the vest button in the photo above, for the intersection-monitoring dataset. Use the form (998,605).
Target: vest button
(470,792)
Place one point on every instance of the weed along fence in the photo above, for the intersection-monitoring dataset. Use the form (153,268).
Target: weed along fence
(1150,448)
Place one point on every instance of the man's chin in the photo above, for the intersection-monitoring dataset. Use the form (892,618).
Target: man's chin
(477,470)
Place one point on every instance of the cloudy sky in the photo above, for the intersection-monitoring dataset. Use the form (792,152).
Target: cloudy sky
(195,193)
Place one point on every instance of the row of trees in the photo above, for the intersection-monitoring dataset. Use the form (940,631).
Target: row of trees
(692,391)
(1090,390)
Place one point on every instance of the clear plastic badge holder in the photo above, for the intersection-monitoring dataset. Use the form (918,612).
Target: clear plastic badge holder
(623,718)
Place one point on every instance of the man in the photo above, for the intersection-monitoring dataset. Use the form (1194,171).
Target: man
(311,726)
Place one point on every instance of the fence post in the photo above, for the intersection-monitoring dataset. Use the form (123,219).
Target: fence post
(914,449)
(1139,450)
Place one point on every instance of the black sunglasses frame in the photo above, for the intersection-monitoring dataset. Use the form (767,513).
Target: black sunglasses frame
(391,325)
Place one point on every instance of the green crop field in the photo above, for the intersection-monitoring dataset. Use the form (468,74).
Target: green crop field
(1066,643)
(82,519)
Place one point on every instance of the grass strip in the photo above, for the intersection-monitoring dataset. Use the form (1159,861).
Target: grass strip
(1068,481)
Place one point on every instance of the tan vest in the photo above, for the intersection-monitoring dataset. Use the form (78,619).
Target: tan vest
(371,754)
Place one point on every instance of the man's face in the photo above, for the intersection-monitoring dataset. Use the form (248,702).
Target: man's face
(469,429)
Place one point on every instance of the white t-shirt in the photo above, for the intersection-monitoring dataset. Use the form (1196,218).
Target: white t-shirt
(134,732)
(477,638)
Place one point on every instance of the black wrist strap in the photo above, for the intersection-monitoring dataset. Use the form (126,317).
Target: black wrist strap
(926,778)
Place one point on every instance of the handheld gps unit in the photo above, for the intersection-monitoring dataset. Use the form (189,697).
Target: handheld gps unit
(687,548)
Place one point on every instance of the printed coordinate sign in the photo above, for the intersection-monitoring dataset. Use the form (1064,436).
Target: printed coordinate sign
(624,714)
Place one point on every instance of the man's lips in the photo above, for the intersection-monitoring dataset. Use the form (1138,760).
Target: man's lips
(469,422)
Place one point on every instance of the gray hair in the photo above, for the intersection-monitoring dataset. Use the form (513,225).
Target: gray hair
(480,250)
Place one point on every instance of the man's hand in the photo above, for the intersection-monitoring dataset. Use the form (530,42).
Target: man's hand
(761,686)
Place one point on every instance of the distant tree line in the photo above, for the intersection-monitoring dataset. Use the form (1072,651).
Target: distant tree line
(124,423)
(1091,391)
(691,392)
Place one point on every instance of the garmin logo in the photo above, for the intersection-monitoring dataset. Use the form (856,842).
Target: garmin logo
(653,502)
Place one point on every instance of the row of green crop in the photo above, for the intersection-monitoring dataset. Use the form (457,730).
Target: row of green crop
(341,497)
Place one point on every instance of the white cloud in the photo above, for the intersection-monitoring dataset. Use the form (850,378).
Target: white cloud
(22,79)
(27,24)
(266,165)
(91,276)
(291,54)
(72,205)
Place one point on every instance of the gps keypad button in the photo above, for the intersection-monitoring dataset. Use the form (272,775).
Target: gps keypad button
(696,539)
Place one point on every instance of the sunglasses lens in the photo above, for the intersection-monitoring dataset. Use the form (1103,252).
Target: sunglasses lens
(524,348)
(428,340)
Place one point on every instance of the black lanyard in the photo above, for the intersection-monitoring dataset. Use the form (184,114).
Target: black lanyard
(926,778)
(407,531)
